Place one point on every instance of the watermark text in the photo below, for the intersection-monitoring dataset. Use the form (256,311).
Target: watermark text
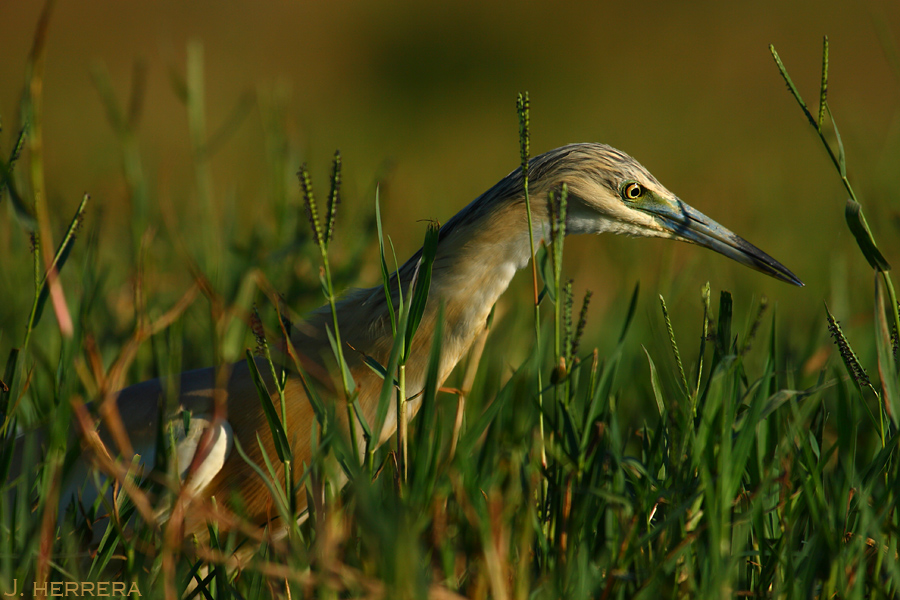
(74,589)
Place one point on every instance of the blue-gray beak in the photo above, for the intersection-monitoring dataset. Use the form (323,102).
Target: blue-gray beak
(690,225)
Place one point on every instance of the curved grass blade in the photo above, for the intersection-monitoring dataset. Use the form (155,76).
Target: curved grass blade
(887,366)
(632,307)
(22,210)
(856,221)
(349,383)
(385,274)
(60,258)
(279,438)
(655,384)
(423,284)
(388,385)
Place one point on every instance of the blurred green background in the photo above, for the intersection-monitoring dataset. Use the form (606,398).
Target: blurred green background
(423,97)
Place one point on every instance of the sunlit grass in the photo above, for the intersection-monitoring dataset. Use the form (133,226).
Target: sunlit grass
(737,475)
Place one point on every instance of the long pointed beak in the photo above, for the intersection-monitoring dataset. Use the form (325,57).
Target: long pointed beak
(690,225)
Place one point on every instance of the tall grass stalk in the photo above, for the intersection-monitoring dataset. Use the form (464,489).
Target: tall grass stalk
(322,237)
(523,108)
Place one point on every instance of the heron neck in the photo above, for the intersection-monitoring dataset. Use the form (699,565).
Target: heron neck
(475,264)
(479,252)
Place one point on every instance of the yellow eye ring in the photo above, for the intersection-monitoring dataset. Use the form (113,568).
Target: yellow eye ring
(633,191)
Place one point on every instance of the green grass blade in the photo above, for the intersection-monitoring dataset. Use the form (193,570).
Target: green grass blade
(279,438)
(23,211)
(423,285)
(428,436)
(318,406)
(385,274)
(61,256)
(388,385)
(887,365)
(656,385)
(856,221)
(349,383)
(268,479)
(841,157)
(545,268)
(9,396)
(723,325)
(632,307)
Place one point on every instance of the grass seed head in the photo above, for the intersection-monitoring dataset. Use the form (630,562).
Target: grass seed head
(258,332)
(309,202)
(335,197)
(582,322)
(857,372)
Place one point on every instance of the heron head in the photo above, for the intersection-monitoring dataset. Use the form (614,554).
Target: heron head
(611,192)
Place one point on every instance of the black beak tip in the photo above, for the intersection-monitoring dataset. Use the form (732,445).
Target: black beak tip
(765,263)
(788,277)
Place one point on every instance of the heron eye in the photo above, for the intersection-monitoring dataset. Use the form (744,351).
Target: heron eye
(633,191)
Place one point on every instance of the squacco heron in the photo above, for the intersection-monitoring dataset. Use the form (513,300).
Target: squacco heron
(479,251)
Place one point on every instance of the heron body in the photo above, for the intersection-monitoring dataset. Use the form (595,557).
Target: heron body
(479,251)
